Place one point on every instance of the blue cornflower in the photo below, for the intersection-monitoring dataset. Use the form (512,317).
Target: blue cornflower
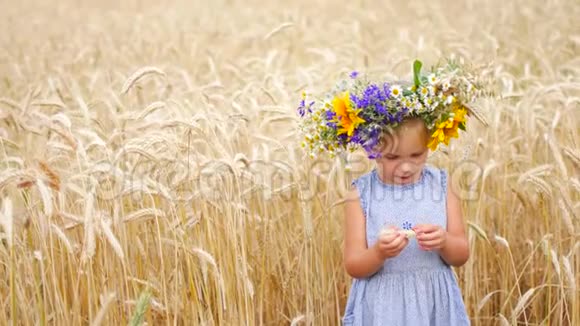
(356,138)
(302,108)
(331,125)
(387,90)
(330,115)
(381,109)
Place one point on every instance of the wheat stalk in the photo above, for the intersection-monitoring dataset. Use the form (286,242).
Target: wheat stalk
(145,212)
(105,303)
(60,234)
(115,244)
(7,220)
(522,303)
(137,75)
(89,242)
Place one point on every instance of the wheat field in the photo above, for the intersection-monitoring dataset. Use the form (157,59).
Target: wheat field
(151,170)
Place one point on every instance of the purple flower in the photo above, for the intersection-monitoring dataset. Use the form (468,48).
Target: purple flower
(387,90)
(354,74)
(302,108)
(330,115)
(381,109)
(371,142)
(331,125)
(373,96)
(399,116)
(357,137)
(359,102)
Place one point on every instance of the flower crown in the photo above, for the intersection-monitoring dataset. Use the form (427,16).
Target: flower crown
(358,112)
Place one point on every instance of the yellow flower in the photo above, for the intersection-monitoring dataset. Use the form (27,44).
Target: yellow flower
(460,113)
(445,130)
(346,117)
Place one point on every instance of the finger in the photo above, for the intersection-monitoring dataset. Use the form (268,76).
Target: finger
(395,243)
(392,245)
(388,238)
(403,244)
(429,236)
(425,228)
(431,244)
(430,231)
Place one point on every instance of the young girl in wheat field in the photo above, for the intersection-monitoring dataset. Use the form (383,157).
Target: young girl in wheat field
(403,222)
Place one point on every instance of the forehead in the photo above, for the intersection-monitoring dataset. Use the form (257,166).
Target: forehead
(407,140)
(410,143)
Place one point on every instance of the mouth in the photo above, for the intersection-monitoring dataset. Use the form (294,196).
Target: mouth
(404,179)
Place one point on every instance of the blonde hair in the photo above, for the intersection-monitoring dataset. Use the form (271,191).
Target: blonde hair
(411,125)
(414,124)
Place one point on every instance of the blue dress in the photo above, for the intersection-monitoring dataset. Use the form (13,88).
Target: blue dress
(417,287)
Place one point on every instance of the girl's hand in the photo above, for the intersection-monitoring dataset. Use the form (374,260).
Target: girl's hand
(390,245)
(430,236)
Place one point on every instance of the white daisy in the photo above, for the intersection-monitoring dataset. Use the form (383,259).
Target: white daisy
(396,91)
(446,85)
(450,99)
(431,90)
(418,107)
(424,91)
(432,79)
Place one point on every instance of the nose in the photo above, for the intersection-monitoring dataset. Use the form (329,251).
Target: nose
(406,168)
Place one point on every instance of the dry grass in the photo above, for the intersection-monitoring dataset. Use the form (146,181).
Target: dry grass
(150,168)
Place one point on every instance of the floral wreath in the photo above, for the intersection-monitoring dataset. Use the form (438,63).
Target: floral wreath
(358,112)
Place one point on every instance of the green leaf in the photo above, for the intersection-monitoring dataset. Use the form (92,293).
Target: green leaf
(462,126)
(416,72)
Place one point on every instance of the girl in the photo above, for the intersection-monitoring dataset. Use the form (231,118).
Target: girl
(397,280)
(403,227)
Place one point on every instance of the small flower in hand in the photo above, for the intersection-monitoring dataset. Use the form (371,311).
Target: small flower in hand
(430,236)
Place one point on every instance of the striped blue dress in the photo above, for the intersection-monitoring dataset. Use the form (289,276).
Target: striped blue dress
(417,287)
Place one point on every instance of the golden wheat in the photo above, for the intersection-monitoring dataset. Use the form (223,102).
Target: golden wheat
(150,168)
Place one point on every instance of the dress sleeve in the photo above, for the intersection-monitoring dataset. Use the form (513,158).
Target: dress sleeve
(360,185)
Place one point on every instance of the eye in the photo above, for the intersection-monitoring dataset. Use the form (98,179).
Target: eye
(415,155)
(391,157)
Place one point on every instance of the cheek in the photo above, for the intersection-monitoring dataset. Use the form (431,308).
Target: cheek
(423,159)
(389,166)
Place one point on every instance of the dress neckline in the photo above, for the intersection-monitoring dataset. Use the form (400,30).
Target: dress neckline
(375,175)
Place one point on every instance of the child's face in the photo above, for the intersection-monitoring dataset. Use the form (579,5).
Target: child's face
(404,153)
